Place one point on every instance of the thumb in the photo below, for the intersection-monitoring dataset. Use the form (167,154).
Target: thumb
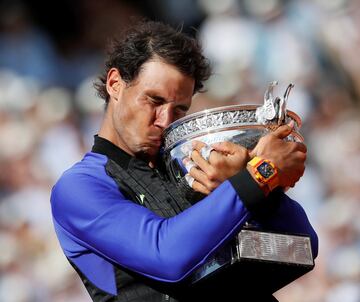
(284,130)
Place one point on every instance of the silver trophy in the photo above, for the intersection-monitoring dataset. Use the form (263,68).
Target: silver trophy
(267,258)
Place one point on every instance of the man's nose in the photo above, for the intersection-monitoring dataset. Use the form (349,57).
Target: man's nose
(164,118)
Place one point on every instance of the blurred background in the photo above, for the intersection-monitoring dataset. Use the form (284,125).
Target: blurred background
(50,55)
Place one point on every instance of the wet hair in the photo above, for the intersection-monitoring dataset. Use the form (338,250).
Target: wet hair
(146,40)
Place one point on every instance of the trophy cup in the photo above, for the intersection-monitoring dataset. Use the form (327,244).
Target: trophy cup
(269,259)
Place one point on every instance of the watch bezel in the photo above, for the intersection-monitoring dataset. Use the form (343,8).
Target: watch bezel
(261,169)
(260,176)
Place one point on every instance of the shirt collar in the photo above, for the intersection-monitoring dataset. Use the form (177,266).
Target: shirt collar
(105,147)
(113,152)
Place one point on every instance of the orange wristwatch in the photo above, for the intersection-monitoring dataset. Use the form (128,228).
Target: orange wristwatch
(265,172)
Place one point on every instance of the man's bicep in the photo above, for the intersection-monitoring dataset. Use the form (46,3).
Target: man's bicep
(98,217)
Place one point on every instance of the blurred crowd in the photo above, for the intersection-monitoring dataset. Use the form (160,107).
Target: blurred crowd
(49,59)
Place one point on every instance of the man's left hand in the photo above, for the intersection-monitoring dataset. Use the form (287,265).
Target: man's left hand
(225,160)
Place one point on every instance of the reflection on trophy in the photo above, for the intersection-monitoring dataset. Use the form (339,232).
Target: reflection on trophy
(264,257)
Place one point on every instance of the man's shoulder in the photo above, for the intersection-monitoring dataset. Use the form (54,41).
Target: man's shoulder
(83,187)
(91,165)
(85,177)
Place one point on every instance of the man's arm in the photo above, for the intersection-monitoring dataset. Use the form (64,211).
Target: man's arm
(98,217)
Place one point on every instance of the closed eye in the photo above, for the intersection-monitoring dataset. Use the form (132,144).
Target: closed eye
(183,109)
(157,100)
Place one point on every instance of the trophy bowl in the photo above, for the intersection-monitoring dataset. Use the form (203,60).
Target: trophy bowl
(290,255)
(237,124)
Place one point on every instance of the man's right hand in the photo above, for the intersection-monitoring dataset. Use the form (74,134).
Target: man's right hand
(288,157)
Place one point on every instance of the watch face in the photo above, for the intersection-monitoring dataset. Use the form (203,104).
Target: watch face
(265,169)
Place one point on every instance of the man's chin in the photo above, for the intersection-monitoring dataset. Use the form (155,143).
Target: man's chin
(149,153)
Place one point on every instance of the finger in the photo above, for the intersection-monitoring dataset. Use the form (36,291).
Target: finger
(200,188)
(200,147)
(226,147)
(197,157)
(189,179)
(201,162)
(195,185)
(188,163)
(252,153)
(301,147)
(299,157)
(291,124)
(197,145)
(202,178)
(284,130)
(198,175)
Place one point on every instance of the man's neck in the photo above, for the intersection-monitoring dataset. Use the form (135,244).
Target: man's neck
(107,130)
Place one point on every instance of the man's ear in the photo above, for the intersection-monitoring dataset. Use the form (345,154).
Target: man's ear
(114,83)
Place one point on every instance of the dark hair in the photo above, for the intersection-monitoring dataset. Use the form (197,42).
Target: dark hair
(148,39)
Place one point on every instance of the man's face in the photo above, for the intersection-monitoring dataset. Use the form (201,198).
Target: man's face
(159,95)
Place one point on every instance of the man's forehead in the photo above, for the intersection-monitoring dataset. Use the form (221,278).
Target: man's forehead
(166,79)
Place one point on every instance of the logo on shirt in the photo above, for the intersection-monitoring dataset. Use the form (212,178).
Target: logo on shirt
(141,198)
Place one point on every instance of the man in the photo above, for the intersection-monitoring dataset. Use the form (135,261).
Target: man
(122,224)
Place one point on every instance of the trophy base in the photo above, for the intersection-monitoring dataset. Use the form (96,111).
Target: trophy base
(256,259)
